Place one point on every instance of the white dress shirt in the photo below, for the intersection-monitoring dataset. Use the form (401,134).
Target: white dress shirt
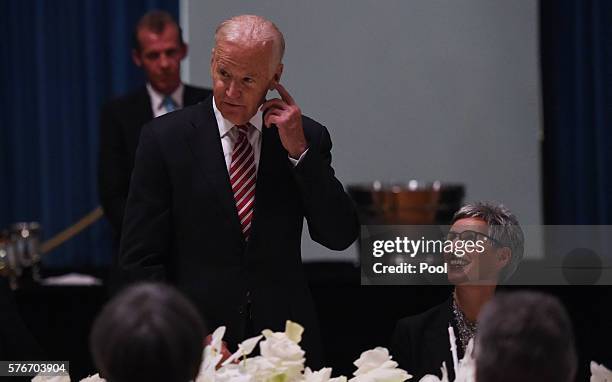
(229,136)
(157,99)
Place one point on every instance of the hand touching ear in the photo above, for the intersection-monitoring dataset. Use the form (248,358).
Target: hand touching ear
(287,116)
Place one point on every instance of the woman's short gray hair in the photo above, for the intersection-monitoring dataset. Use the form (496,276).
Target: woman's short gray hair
(503,227)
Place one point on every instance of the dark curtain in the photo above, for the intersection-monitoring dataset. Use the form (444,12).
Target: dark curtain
(576,46)
(576,64)
(60,60)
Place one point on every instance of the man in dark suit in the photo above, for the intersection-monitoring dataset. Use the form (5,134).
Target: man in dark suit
(158,49)
(220,191)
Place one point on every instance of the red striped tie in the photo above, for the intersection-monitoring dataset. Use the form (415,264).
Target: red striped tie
(242,178)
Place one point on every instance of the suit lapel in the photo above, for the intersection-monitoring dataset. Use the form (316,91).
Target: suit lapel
(205,143)
(189,97)
(137,115)
(143,109)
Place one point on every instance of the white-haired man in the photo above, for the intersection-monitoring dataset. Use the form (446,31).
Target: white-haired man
(220,191)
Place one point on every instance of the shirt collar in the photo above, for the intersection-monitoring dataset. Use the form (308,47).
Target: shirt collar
(157,98)
(226,126)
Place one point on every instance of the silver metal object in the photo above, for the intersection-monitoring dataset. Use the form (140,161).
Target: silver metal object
(20,253)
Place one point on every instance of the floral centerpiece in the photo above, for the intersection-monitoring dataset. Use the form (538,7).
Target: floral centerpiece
(282,359)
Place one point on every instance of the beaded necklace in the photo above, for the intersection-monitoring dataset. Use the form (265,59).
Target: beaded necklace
(466,328)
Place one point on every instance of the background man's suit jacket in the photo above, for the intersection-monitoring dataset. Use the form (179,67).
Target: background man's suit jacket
(121,120)
(420,343)
(181,222)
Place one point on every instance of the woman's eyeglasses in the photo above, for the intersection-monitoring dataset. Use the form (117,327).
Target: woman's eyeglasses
(473,236)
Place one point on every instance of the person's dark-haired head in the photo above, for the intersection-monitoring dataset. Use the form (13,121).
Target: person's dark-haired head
(149,332)
(525,336)
(155,21)
(158,48)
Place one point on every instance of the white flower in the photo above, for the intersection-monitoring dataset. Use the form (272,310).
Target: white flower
(466,371)
(282,360)
(244,349)
(93,378)
(294,331)
(260,368)
(265,370)
(433,378)
(278,345)
(205,376)
(274,369)
(212,356)
(283,345)
(217,338)
(282,353)
(55,378)
(323,375)
(599,373)
(376,366)
(374,359)
(233,373)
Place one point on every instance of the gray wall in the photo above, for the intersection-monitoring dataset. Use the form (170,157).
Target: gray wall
(421,89)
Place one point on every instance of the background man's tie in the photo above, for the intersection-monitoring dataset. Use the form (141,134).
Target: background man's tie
(243,178)
(169,104)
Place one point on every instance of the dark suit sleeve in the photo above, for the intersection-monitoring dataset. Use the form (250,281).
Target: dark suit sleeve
(146,235)
(420,343)
(330,213)
(113,168)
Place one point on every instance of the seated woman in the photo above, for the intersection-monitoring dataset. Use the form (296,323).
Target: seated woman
(149,332)
(421,343)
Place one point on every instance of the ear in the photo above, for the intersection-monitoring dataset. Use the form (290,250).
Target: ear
(277,76)
(136,58)
(504,255)
(184,50)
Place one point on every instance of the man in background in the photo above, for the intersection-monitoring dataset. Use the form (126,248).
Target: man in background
(158,48)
